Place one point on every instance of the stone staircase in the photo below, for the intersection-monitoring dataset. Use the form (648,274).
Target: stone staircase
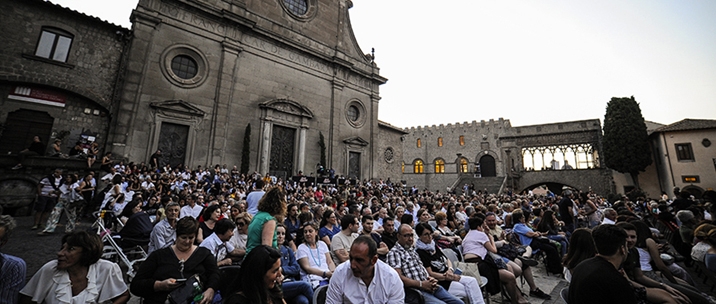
(491,184)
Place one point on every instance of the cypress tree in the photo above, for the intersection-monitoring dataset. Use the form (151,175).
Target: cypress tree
(625,143)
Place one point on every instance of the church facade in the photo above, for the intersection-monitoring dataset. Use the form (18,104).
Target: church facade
(190,77)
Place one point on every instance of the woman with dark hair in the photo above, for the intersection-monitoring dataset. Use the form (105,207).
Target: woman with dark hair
(582,248)
(272,209)
(329,227)
(106,164)
(294,290)
(440,267)
(211,215)
(314,257)
(138,227)
(649,252)
(548,225)
(167,268)
(265,262)
(77,276)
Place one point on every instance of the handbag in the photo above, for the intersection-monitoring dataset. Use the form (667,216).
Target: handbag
(185,294)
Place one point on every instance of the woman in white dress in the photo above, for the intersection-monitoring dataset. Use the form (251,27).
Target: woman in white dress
(77,276)
(314,258)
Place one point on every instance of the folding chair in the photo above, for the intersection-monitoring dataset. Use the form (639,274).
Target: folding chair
(115,253)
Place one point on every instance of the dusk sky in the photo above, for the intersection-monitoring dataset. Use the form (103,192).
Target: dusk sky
(531,62)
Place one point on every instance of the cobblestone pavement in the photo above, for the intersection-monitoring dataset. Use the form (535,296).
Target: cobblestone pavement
(38,250)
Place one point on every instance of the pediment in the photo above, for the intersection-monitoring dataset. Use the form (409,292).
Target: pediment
(178,106)
(356,141)
(287,106)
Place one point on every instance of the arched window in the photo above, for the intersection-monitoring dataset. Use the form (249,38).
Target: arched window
(462,140)
(418,166)
(463,165)
(439,166)
(440,141)
(420,143)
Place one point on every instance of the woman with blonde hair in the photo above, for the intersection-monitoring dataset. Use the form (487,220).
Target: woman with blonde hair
(272,210)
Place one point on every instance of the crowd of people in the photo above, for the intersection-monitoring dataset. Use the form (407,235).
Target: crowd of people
(373,241)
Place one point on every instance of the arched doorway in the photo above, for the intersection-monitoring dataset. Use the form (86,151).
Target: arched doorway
(21,126)
(487,166)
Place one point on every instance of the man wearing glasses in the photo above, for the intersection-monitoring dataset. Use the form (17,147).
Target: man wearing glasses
(407,263)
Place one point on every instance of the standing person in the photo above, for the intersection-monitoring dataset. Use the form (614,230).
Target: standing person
(406,261)
(156,159)
(12,268)
(598,280)
(67,201)
(364,278)
(92,153)
(252,200)
(78,275)
(271,210)
(164,233)
(47,190)
(568,212)
(36,148)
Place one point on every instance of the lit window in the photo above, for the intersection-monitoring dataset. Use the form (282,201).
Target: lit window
(684,152)
(54,44)
(418,166)
(462,140)
(402,167)
(440,141)
(420,143)
(439,166)
(463,165)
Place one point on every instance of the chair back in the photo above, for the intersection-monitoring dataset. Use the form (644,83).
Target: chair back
(451,255)
(564,293)
(319,295)
(413,296)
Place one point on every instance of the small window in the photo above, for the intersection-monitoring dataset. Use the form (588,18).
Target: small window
(420,143)
(298,7)
(184,67)
(418,166)
(463,165)
(439,166)
(684,152)
(440,141)
(54,44)
(462,140)
(402,167)
(353,113)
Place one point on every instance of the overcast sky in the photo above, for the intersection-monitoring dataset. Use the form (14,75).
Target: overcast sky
(531,62)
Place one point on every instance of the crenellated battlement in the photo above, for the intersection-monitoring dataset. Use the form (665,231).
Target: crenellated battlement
(473,126)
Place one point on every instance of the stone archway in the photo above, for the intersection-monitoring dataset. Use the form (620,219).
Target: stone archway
(487,166)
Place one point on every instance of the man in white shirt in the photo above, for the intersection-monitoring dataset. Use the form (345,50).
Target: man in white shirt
(218,242)
(610,216)
(252,200)
(191,208)
(364,278)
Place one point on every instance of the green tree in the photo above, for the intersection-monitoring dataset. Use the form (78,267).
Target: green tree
(625,142)
(246,150)
(322,145)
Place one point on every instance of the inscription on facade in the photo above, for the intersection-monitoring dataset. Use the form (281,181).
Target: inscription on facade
(199,21)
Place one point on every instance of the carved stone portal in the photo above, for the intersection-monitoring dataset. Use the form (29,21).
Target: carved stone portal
(282,147)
